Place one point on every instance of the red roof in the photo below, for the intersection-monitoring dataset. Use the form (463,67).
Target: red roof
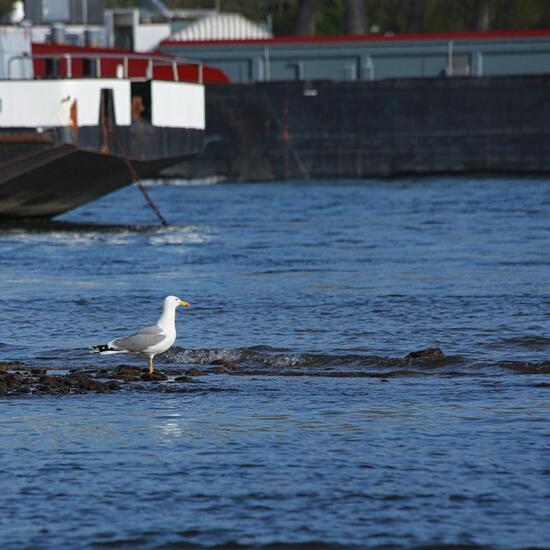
(137,63)
(386,37)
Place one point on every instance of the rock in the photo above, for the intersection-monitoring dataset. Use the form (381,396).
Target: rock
(75,382)
(183,379)
(428,354)
(78,378)
(95,385)
(10,379)
(53,380)
(84,382)
(177,372)
(155,376)
(128,373)
(224,363)
(129,368)
(52,386)
(194,371)
(220,370)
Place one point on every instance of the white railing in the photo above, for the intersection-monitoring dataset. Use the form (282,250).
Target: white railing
(150,63)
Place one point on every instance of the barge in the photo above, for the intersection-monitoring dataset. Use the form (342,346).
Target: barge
(77,124)
(374,106)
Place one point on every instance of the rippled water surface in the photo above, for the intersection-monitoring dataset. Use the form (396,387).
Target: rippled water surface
(323,433)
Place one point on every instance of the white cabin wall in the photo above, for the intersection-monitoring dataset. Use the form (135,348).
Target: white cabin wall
(148,37)
(15,42)
(45,103)
(178,105)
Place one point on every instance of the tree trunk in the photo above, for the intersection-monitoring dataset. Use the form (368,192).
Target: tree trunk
(356,21)
(416,16)
(307,14)
(482,15)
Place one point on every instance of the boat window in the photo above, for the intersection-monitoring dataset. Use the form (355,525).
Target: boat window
(141,102)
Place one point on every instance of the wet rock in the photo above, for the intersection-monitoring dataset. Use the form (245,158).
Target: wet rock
(224,363)
(78,378)
(183,379)
(91,372)
(194,371)
(97,386)
(53,384)
(4,365)
(129,368)
(177,372)
(19,379)
(83,382)
(155,376)
(10,380)
(128,373)
(53,380)
(220,370)
(424,355)
(536,367)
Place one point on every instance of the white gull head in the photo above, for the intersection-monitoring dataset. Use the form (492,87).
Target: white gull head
(172,302)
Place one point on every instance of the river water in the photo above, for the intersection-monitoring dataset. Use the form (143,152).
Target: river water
(323,436)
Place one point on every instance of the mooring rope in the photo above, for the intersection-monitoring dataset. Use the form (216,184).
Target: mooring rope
(141,187)
(134,173)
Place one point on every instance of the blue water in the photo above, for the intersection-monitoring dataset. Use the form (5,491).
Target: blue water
(323,434)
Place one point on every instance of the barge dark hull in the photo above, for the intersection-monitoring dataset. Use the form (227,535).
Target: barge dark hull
(43,175)
(59,178)
(386,128)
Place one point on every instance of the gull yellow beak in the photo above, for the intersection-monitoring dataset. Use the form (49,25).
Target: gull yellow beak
(184,303)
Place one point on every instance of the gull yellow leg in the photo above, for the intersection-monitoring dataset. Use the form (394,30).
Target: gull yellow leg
(151,367)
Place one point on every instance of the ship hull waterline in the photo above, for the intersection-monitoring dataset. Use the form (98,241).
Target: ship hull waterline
(57,179)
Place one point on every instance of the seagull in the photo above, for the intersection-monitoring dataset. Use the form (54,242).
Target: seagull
(151,340)
(16,15)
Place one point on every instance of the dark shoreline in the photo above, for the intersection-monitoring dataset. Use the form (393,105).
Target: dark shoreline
(20,379)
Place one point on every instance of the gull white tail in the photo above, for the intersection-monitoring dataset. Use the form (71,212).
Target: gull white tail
(104,349)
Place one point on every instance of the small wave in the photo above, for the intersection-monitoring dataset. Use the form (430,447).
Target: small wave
(531,342)
(180,182)
(526,367)
(266,360)
(178,234)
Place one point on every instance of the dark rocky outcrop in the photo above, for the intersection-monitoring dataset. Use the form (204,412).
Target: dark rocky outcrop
(155,376)
(229,365)
(425,355)
(17,378)
(194,371)
(128,373)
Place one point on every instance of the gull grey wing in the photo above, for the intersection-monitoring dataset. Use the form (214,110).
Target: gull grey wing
(140,341)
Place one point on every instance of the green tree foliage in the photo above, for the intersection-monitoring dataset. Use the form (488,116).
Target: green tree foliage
(5,6)
(381,15)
